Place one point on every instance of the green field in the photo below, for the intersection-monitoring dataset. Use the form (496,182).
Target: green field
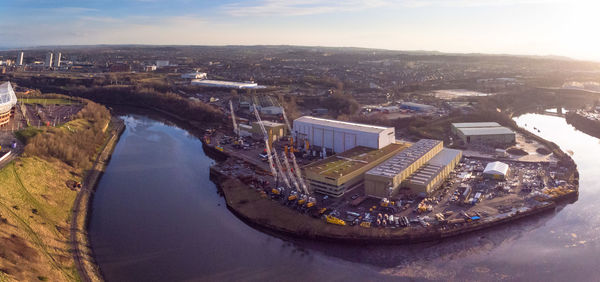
(49,101)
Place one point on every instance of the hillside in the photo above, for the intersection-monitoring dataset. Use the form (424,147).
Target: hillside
(36,200)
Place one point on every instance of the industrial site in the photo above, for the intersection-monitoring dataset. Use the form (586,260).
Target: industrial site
(365,176)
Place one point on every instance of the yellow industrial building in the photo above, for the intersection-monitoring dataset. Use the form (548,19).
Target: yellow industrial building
(384,180)
(334,175)
(431,175)
(274,130)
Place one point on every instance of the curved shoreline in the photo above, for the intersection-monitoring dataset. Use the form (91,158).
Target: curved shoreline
(82,250)
(583,124)
(272,217)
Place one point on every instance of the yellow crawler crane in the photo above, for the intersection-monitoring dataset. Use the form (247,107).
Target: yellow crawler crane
(311,202)
(302,201)
(557,192)
(293,196)
(335,220)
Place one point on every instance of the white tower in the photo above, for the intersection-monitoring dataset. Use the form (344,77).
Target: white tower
(48,62)
(57,57)
(20,59)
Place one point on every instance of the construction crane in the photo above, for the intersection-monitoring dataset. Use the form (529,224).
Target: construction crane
(280,170)
(267,145)
(299,174)
(287,122)
(235,127)
(289,172)
(294,162)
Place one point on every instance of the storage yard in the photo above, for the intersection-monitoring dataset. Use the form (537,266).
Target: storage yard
(379,182)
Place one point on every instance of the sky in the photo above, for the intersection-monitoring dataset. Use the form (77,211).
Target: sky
(529,27)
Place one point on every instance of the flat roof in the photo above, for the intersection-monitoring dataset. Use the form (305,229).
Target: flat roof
(342,124)
(475,124)
(349,161)
(223,83)
(424,174)
(404,159)
(445,157)
(499,130)
(433,167)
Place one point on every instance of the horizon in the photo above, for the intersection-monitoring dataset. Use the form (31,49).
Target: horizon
(516,27)
(432,52)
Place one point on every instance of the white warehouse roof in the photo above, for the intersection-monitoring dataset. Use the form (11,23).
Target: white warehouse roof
(224,84)
(496,168)
(8,99)
(470,131)
(475,124)
(342,124)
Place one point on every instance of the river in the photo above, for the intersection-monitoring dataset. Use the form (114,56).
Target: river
(156,216)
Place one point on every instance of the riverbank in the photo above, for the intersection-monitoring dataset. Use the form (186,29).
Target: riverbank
(583,124)
(82,254)
(272,217)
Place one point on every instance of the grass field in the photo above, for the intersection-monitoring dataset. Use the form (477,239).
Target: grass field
(35,205)
(50,101)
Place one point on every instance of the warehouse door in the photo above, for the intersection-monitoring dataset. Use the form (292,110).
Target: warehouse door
(328,139)
(318,137)
(338,141)
(350,141)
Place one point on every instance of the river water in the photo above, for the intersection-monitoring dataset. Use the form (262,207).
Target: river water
(156,216)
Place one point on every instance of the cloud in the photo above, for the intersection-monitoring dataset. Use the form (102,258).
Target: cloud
(72,10)
(299,7)
(313,7)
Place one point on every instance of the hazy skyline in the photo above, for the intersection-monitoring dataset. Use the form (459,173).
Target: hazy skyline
(530,27)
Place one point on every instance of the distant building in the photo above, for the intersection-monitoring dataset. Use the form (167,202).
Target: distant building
(417,107)
(119,67)
(162,63)
(320,111)
(339,136)
(194,75)
(20,59)
(149,68)
(224,84)
(489,133)
(48,61)
(8,100)
(274,130)
(57,58)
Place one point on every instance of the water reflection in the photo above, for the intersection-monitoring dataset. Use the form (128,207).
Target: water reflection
(156,217)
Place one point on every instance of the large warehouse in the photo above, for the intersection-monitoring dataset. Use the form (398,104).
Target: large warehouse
(489,133)
(385,180)
(334,175)
(8,100)
(431,175)
(339,136)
